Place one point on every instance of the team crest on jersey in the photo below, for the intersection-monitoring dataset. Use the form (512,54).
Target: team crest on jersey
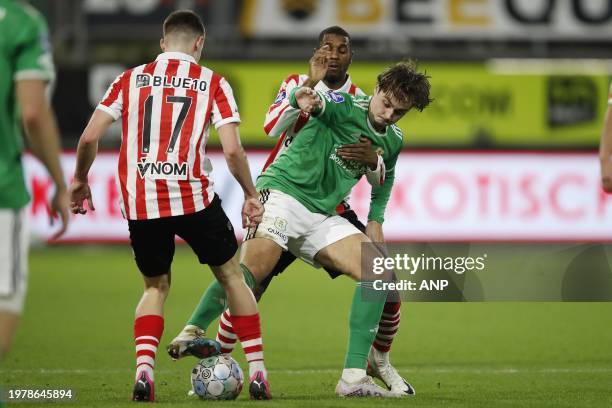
(335,97)
(281,95)
(281,224)
(162,170)
(143,80)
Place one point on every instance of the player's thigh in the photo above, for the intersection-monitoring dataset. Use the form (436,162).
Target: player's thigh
(351,255)
(13,260)
(260,255)
(153,245)
(210,234)
(283,220)
(343,255)
(325,231)
(351,217)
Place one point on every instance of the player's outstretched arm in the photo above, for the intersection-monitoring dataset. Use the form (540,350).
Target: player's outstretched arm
(281,116)
(235,156)
(86,154)
(605,149)
(43,136)
(308,100)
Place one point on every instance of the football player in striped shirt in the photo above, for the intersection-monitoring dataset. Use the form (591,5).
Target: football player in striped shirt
(166,108)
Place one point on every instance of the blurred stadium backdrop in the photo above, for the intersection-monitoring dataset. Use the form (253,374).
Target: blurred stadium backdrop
(507,151)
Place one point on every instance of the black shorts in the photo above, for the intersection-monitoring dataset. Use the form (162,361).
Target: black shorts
(209,233)
(287,257)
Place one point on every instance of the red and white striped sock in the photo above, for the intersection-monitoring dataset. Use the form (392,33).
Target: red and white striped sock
(148,330)
(248,331)
(387,327)
(225,334)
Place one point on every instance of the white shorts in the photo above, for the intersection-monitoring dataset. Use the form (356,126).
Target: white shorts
(13,260)
(296,229)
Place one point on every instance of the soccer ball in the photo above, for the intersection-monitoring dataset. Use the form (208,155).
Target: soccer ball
(219,377)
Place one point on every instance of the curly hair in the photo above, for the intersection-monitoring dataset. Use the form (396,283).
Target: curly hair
(406,84)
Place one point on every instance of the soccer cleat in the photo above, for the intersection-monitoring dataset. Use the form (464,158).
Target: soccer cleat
(144,389)
(365,387)
(384,371)
(259,389)
(191,342)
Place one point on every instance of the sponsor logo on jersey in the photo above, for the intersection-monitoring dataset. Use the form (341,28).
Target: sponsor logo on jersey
(279,98)
(335,97)
(276,232)
(162,170)
(195,84)
(352,167)
(143,80)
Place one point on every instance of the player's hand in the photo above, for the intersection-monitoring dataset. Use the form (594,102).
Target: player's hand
(307,99)
(361,152)
(318,64)
(252,212)
(59,208)
(79,193)
(375,233)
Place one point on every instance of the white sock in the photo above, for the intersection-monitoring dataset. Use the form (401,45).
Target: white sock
(351,375)
(255,366)
(147,368)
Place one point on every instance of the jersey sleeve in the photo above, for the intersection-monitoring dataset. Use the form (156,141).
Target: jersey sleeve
(281,115)
(377,176)
(33,58)
(224,106)
(112,102)
(381,193)
(335,105)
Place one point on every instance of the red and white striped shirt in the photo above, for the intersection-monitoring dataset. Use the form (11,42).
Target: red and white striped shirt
(285,121)
(166,108)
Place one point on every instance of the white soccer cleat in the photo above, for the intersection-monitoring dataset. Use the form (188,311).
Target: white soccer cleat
(380,367)
(191,342)
(364,387)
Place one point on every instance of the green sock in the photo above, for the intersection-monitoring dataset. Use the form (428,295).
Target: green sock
(214,301)
(363,323)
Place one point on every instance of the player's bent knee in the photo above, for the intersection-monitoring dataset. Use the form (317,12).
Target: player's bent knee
(159,284)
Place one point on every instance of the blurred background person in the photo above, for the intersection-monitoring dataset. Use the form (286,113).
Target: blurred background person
(26,68)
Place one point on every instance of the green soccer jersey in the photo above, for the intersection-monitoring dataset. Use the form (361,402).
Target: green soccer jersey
(312,172)
(24,54)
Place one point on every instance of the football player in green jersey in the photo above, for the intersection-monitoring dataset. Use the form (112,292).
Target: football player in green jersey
(26,68)
(301,189)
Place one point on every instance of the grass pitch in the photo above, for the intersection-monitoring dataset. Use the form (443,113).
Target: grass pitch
(77,333)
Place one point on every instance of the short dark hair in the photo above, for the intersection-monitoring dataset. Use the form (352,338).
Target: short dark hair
(334,30)
(406,84)
(185,21)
